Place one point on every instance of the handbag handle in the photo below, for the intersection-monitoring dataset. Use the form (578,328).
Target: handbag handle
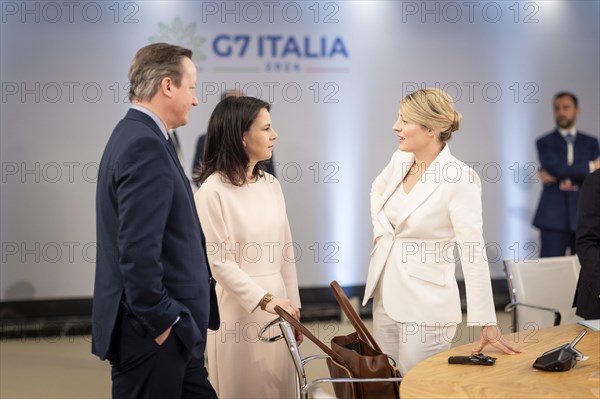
(299,326)
(357,323)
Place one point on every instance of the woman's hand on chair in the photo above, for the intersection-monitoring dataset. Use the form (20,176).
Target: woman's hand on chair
(491,335)
(285,304)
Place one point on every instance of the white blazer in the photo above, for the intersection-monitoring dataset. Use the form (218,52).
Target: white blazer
(415,261)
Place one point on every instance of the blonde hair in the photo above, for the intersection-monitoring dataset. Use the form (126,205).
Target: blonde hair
(432,108)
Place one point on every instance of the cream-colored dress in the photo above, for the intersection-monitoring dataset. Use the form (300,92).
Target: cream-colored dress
(250,252)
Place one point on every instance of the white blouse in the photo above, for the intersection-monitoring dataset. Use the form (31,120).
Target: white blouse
(394,204)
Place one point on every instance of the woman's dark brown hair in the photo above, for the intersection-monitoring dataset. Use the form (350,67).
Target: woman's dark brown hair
(224,149)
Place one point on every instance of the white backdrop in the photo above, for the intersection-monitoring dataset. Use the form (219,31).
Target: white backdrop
(334,71)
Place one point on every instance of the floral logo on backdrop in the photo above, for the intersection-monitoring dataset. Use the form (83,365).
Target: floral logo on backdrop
(183,35)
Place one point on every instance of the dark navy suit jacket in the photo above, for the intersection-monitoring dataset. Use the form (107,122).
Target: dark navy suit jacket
(557,209)
(151,259)
(587,298)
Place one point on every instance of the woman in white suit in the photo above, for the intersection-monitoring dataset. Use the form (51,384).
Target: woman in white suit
(423,205)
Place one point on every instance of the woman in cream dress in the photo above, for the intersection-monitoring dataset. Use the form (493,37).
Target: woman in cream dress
(424,204)
(250,252)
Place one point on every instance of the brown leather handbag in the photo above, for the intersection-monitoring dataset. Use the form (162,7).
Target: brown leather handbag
(356,355)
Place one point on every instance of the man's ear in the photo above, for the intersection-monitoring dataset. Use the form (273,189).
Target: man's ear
(166,85)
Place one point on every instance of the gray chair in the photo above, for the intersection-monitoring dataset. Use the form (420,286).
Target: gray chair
(542,291)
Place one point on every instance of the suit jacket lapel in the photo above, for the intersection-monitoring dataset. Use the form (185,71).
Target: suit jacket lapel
(562,143)
(173,153)
(578,147)
(400,171)
(430,181)
(405,164)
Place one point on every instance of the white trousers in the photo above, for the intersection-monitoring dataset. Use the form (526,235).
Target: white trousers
(408,343)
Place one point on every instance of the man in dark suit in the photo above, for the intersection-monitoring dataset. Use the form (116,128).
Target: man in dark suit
(567,156)
(153,294)
(587,296)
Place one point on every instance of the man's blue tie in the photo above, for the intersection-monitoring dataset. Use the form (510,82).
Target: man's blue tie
(570,148)
(570,138)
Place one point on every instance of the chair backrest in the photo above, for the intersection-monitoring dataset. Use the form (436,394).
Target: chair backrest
(544,282)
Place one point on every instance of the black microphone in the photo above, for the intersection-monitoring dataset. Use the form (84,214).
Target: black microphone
(562,358)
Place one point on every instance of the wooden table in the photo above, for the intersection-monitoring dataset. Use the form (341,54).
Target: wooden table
(513,375)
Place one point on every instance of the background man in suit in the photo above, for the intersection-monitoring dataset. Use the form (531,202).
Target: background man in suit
(587,296)
(199,154)
(566,156)
(153,293)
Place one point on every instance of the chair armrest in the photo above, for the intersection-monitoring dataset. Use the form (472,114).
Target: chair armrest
(263,332)
(511,307)
(314,357)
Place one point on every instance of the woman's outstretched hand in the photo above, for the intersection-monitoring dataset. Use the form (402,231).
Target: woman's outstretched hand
(491,335)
